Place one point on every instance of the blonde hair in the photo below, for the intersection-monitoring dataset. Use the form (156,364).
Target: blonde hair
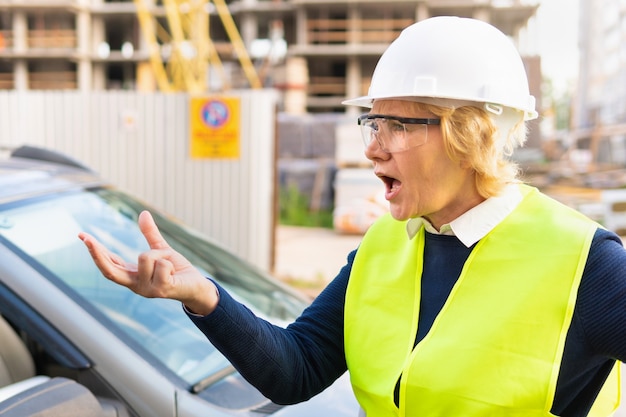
(472,137)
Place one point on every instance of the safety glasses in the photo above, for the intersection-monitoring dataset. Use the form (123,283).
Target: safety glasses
(393,133)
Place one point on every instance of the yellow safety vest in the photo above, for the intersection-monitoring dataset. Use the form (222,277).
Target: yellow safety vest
(495,348)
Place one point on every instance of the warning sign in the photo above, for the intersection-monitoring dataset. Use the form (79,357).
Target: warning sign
(214,127)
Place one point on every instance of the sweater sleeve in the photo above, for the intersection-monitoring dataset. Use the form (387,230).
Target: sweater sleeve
(287,365)
(601,306)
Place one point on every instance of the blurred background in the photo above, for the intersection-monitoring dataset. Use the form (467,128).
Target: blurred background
(113,83)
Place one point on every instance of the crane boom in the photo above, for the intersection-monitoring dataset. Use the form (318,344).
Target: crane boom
(181,54)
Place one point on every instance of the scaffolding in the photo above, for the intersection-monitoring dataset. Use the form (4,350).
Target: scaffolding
(182,52)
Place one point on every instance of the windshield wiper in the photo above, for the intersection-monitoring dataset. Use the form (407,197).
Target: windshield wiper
(213,378)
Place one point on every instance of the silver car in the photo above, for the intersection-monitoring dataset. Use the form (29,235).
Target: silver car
(68,336)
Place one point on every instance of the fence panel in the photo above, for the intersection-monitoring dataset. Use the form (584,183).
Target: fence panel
(141,143)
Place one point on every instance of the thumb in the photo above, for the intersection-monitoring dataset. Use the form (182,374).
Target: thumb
(151,232)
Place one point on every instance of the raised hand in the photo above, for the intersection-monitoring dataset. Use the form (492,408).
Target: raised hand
(160,272)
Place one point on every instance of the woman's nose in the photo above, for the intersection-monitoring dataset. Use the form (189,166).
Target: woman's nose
(374,151)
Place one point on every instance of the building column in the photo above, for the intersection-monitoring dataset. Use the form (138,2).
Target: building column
(20,45)
(83,32)
(354,17)
(353,82)
(354,72)
(248,25)
(249,29)
(301,29)
(20,75)
(98,37)
(482,14)
(296,96)
(20,31)
(421,12)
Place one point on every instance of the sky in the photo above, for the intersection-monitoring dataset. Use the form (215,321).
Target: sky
(557,38)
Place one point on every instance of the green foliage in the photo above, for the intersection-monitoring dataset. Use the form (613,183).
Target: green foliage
(559,103)
(295,211)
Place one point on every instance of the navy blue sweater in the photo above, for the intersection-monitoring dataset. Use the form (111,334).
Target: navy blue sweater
(292,365)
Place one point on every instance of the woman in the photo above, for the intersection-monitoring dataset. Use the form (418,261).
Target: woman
(476,296)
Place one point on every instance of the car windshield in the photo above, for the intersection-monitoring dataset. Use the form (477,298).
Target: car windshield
(46,230)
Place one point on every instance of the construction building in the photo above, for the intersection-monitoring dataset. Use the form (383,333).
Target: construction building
(597,133)
(317,51)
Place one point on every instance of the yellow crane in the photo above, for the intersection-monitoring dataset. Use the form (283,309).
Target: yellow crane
(180,55)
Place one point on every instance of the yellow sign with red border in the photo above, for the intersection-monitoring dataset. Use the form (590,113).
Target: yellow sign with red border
(214,127)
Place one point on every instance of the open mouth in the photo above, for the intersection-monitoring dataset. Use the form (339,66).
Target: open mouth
(392,185)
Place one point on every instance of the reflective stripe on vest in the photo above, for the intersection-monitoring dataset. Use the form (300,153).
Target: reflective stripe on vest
(495,348)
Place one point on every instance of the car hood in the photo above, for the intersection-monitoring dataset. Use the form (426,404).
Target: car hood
(336,401)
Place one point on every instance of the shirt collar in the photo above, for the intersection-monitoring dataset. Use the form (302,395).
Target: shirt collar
(475,223)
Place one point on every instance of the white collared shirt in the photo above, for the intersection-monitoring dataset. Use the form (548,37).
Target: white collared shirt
(475,223)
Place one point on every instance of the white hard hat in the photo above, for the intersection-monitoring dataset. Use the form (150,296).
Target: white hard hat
(452,61)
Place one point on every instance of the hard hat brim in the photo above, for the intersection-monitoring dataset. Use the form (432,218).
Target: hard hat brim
(448,102)
(363,101)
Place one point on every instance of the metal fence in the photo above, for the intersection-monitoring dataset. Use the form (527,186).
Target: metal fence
(141,143)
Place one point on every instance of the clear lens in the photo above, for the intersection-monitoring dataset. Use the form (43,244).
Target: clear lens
(393,135)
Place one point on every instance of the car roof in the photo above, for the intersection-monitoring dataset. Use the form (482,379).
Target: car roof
(30,171)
